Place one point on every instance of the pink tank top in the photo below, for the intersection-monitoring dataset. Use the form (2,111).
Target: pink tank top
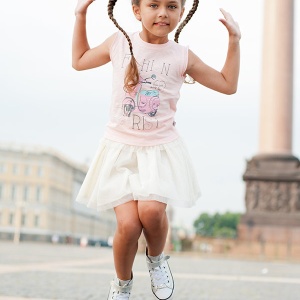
(145,117)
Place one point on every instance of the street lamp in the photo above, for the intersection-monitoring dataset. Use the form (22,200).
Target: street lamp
(18,221)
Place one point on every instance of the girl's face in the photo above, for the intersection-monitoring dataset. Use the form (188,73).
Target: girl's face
(158,17)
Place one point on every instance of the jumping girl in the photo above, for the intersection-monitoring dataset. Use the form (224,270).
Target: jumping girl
(142,165)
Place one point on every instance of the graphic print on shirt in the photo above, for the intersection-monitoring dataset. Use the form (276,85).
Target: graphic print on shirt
(142,100)
(144,107)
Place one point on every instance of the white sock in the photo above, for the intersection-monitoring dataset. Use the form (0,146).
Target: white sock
(122,282)
(156,258)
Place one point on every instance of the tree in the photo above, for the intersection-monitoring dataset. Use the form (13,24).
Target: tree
(204,225)
(217,225)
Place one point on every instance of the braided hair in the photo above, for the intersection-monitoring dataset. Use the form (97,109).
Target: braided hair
(132,74)
(188,79)
(186,20)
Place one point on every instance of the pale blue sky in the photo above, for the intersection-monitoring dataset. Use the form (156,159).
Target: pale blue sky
(45,102)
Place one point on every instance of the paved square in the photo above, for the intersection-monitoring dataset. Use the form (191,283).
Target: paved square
(45,271)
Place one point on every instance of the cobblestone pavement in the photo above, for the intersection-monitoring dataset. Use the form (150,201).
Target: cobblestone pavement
(44,271)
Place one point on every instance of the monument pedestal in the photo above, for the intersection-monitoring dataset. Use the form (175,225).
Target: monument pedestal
(272,200)
(273,177)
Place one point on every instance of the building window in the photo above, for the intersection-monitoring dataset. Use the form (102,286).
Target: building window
(11,219)
(27,170)
(38,194)
(0,218)
(26,192)
(15,169)
(23,220)
(2,167)
(1,191)
(13,192)
(36,221)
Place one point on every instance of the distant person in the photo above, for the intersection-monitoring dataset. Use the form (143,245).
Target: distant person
(55,239)
(141,164)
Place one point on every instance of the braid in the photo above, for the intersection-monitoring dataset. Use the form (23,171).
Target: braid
(132,73)
(110,8)
(186,20)
(187,79)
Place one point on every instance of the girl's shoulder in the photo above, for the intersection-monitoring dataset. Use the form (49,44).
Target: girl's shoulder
(119,39)
(179,46)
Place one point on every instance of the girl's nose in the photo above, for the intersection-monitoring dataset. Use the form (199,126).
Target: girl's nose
(163,12)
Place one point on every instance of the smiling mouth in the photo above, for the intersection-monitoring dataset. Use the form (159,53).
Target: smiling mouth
(161,24)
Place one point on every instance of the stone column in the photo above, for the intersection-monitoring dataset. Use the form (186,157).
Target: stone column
(273,176)
(277,78)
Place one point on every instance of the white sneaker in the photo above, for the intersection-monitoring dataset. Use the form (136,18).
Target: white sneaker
(162,283)
(118,292)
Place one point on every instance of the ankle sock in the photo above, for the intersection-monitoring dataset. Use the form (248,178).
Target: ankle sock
(156,258)
(122,282)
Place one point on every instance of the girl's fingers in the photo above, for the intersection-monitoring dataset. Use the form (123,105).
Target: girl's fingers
(226,15)
(224,12)
(82,6)
(231,25)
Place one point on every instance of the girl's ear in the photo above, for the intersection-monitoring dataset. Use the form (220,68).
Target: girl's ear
(137,13)
(182,12)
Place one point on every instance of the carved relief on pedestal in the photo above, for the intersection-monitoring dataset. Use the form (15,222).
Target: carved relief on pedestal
(252,193)
(269,196)
(294,204)
(266,193)
(283,197)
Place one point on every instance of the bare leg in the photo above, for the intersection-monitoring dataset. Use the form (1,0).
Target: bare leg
(154,220)
(129,229)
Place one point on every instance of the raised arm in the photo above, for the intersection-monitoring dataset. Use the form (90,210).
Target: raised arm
(226,80)
(83,57)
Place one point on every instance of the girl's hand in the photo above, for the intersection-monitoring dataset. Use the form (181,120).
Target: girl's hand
(82,6)
(231,25)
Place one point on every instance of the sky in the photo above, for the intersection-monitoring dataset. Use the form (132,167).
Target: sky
(45,102)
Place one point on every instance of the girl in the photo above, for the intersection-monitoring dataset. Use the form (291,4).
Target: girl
(141,164)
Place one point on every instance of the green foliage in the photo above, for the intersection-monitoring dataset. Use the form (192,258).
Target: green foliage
(217,225)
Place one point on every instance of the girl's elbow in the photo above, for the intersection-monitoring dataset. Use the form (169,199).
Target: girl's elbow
(231,91)
(75,66)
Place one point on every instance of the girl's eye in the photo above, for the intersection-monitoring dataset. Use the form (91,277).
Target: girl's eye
(153,5)
(172,6)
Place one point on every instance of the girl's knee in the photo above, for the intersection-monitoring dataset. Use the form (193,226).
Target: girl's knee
(128,222)
(130,228)
(152,213)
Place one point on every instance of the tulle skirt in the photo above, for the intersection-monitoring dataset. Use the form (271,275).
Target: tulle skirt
(121,173)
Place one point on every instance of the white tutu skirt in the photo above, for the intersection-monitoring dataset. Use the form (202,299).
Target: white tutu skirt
(120,173)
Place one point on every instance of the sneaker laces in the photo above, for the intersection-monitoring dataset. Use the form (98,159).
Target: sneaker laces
(121,296)
(159,276)
(118,294)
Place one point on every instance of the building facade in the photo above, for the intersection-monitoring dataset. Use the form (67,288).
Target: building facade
(38,187)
